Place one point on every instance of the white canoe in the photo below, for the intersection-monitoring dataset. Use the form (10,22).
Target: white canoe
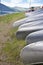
(27,20)
(23,32)
(32,53)
(33,16)
(34,37)
(39,22)
(38,11)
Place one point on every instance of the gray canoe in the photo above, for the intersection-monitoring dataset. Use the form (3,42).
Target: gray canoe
(34,37)
(27,20)
(34,16)
(39,22)
(32,53)
(23,32)
(38,11)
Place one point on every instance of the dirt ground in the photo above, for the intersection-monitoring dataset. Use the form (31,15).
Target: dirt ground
(4,29)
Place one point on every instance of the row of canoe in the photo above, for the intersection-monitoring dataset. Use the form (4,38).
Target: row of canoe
(30,29)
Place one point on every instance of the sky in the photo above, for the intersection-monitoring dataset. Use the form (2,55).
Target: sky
(22,3)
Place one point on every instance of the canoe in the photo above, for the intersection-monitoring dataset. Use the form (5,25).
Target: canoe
(34,37)
(38,11)
(39,22)
(32,53)
(27,20)
(23,32)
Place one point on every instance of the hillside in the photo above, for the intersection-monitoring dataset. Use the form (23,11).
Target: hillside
(20,9)
(5,9)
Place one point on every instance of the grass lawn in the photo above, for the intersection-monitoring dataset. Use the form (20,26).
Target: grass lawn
(10,47)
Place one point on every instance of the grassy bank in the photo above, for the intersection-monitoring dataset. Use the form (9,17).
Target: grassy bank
(11,17)
(10,53)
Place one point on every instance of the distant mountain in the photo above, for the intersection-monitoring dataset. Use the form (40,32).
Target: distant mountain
(20,9)
(5,9)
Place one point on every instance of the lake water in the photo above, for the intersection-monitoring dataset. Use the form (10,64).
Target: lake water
(5,12)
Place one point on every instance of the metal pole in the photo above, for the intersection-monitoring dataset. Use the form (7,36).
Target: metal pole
(0,1)
(30,4)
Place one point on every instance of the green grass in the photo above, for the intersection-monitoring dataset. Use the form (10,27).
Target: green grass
(12,17)
(12,45)
(12,48)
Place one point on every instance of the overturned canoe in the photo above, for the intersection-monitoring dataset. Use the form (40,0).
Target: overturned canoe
(34,37)
(39,22)
(33,53)
(23,32)
(38,11)
(27,20)
(33,16)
